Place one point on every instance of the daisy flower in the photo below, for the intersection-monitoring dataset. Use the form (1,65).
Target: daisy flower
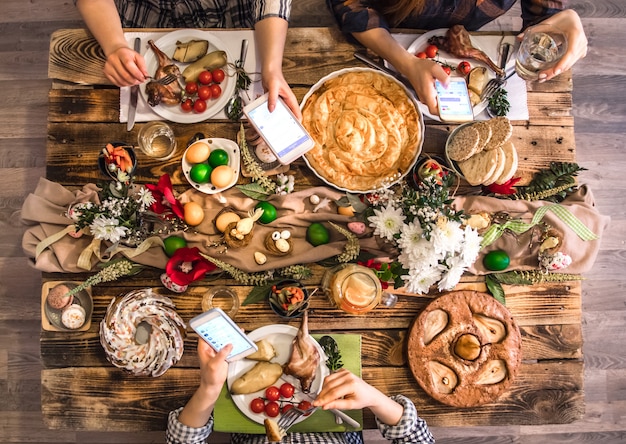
(387,222)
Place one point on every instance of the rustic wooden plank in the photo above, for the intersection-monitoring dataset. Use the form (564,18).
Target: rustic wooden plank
(542,393)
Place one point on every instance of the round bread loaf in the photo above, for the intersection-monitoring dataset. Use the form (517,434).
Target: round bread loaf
(73,317)
(58,298)
(464,144)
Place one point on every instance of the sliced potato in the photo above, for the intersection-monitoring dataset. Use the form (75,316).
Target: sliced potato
(211,61)
(259,377)
(477,79)
(265,351)
(187,52)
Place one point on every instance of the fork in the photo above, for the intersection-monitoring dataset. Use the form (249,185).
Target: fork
(166,80)
(291,416)
(494,84)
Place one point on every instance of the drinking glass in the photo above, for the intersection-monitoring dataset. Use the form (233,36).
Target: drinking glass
(542,47)
(157,140)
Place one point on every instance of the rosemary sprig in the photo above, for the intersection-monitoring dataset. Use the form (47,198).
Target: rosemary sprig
(237,274)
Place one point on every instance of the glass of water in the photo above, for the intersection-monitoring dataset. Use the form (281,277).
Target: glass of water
(542,47)
(156,139)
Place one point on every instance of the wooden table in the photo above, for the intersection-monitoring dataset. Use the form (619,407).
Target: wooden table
(81,390)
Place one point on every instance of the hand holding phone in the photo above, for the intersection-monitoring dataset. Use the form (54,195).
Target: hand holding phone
(217,329)
(280,129)
(454,102)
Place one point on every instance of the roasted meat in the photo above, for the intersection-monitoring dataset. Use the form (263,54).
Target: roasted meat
(169,94)
(458,43)
(305,357)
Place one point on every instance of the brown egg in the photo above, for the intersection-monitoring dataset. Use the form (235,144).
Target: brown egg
(198,152)
(222,176)
(222,221)
(346,211)
(193,214)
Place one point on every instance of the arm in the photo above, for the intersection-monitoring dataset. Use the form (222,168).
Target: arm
(193,421)
(397,418)
(569,22)
(123,66)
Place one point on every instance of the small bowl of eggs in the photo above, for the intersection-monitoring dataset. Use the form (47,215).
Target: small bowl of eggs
(212,165)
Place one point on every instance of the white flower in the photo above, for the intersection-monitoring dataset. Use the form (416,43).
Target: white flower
(419,280)
(145,198)
(452,275)
(107,228)
(471,246)
(447,236)
(387,222)
(285,183)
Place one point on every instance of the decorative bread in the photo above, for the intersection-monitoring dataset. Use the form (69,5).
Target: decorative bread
(479,167)
(500,162)
(510,164)
(465,143)
(501,131)
(464,349)
(367,130)
(484,131)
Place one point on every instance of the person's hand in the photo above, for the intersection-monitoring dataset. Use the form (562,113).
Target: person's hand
(276,85)
(125,67)
(213,366)
(345,391)
(569,22)
(422,74)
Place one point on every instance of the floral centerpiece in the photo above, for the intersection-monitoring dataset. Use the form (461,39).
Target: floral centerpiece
(434,245)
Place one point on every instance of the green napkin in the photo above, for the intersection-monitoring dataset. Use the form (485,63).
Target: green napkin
(228,418)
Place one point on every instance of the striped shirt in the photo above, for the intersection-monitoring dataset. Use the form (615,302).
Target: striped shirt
(410,429)
(199,13)
(361,15)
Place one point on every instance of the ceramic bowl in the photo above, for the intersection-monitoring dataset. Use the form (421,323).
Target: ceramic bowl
(279,310)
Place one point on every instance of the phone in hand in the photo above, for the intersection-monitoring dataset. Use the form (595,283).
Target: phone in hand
(280,129)
(454,101)
(217,329)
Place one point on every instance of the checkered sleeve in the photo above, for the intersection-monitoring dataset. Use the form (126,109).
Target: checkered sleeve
(410,429)
(179,433)
(272,8)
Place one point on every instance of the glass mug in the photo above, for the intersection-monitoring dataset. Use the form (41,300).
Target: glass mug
(157,140)
(353,288)
(541,48)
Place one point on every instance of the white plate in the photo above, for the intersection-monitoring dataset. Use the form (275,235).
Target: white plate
(281,337)
(167,44)
(410,95)
(233,161)
(421,43)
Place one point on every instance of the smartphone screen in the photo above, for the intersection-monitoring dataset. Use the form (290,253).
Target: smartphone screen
(217,329)
(454,101)
(286,137)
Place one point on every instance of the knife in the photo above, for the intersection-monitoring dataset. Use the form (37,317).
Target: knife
(134,92)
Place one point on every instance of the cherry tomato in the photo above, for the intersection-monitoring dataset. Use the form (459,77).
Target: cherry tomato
(431,51)
(191,88)
(447,69)
(257,405)
(216,91)
(286,390)
(204,92)
(218,75)
(187,105)
(464,68)
(286,407)
(421,55)
(199,106)
(272,409)
(305,405)
(205,77)
(272,393)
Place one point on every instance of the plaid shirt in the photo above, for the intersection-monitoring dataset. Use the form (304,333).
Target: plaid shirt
(361,15)
(410,429)
(199,13)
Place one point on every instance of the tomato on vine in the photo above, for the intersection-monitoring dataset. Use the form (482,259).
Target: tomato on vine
(421,55)
(205,77)
(257,405)
(218,75)
(431,51)
(464,68)
(447,69)
(272,409)
(272,393)
(287,390)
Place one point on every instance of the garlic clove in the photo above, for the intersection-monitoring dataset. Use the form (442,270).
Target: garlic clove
(260,258)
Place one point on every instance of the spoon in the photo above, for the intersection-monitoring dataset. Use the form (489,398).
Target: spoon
(234,108)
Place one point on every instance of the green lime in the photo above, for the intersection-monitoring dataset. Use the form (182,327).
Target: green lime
(200,173)
(317,234)
(218,157)
(173,243)
(496,260)
(269,212)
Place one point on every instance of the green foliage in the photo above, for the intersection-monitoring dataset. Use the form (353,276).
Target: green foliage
(330,347)
(495,289)
(551,184)
(499,102)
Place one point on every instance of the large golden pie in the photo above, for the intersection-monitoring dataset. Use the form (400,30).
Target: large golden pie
(368,132)
(464,349)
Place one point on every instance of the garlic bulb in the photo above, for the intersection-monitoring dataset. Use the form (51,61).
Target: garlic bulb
(244,226)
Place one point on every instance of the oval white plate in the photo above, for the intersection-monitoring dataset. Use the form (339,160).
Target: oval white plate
(233,161)
(281,337)
(420,43)
(410,95)
(167,44)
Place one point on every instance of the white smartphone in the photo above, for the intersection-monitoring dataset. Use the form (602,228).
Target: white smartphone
(280,129)
(454,101)
(217,329)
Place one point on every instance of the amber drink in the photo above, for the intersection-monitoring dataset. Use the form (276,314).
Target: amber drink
(353,288)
